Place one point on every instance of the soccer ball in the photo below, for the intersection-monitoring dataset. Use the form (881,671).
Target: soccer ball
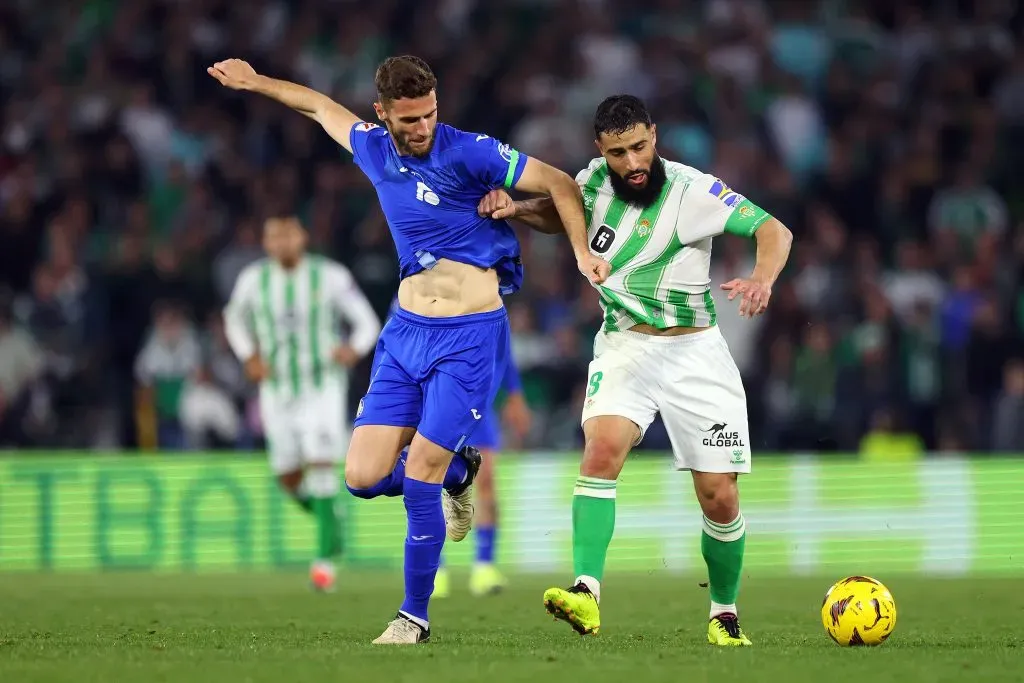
(858,610)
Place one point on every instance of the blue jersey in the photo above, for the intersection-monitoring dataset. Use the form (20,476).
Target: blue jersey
(430,202)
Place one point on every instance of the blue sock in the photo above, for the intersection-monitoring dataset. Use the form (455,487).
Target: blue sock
(485,544)
(456,474)
(423,543)
(390,485)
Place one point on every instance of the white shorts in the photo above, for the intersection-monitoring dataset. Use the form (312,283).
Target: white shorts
(310,428)
(692,380)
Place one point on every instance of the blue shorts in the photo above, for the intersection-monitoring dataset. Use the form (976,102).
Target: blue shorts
(439,375)
(488,435)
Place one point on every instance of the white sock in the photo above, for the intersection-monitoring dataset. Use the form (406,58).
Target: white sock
(717,609)
(416,620)
(593,584)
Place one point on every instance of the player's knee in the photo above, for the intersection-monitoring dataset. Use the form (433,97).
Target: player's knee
(719,498)
(603,458)
(427,461)
(361,476)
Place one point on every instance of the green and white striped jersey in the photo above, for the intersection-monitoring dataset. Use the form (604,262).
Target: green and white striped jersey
(661,255)
(293,320)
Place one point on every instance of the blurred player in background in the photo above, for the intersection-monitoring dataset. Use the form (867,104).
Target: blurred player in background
(440,358)
(485,578)
(282,322)
(659,349)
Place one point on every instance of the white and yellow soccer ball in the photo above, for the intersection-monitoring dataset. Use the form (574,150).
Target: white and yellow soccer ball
(858,610)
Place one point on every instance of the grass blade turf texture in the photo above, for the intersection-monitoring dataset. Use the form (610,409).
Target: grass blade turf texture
(269,627)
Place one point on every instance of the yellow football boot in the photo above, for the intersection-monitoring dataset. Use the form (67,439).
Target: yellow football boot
(724,630)
(577,606)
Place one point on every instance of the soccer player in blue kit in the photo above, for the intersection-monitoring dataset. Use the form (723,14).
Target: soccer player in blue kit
(440,358)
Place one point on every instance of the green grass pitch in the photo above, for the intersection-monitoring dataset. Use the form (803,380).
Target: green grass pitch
(270,627)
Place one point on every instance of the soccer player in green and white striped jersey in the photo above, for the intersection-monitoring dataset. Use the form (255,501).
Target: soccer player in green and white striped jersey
(284,322)
(659,350)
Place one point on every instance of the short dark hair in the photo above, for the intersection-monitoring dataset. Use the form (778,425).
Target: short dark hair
(402,77)
(619,113)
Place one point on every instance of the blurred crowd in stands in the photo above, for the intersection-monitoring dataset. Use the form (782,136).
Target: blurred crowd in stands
(884,134)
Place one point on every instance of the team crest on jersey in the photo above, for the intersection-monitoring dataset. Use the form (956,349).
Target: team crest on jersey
(603,239)
(728,196)
(643,228)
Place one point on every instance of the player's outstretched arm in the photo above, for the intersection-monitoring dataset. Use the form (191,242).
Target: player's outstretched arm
(335,119)
(565,194)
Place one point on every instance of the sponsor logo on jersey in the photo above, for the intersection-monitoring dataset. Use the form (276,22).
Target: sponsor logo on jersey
(725,193)
(425,194)
(603,239)
(364,126)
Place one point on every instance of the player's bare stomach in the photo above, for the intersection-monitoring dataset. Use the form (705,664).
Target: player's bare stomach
(450,289)
(667,332)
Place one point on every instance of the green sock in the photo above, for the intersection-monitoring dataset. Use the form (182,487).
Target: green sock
(722,547)
(325,526)
(593,521)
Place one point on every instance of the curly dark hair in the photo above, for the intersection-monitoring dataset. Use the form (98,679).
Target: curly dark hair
(404,76)
(619,113)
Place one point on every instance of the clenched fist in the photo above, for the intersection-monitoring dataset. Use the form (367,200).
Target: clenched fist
(497,204)
(595,268)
